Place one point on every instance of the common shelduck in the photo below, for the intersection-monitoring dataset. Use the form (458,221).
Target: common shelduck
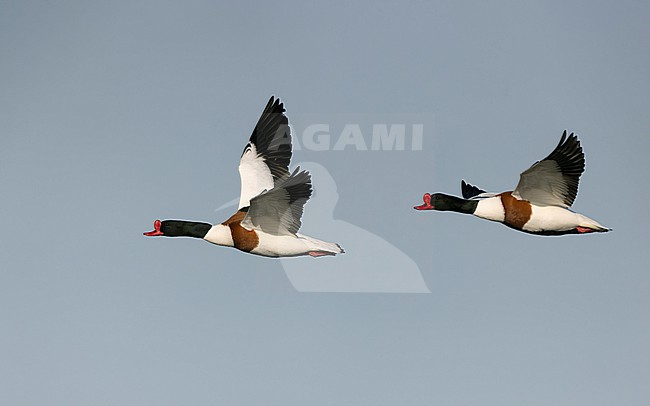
(271,201)
(540,202)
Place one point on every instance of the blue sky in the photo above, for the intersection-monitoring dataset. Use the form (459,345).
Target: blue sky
(115,114)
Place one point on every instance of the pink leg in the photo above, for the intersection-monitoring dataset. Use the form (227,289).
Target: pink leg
(583,230)
(319,253)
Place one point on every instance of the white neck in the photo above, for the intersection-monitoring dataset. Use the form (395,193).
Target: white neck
(220,235)
(490,209)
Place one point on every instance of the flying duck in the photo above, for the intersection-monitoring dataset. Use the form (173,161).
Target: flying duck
(271,200)
(540,202)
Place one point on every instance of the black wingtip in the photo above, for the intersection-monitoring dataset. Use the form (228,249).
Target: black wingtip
(569,154)
(571,160)
(570,138)
(298,185)
(301,175)
(469,191)
(272,138)
(274,105)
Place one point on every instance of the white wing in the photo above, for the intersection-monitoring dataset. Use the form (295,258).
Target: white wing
(266,157)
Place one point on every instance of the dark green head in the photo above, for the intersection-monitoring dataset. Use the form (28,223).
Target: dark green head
(179,228)
(443,202)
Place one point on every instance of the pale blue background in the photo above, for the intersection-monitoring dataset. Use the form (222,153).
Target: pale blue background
(113,114)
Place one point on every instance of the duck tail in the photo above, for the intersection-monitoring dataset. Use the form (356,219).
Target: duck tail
(320,248)
(586,222)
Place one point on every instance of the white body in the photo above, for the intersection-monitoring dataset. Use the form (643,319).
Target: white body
(275,245)
(289,246)
(220,235)
(490,209)
(558,219)
(543,218)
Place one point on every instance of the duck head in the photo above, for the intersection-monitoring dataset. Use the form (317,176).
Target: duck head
(427,203)
(179,228)
(436,201)
(443,202)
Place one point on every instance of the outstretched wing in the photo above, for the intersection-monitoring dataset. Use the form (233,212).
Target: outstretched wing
(266,157)
(278,211)
(554,180)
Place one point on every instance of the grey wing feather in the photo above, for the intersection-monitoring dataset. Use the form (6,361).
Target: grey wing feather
(554,180)
(278,211)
